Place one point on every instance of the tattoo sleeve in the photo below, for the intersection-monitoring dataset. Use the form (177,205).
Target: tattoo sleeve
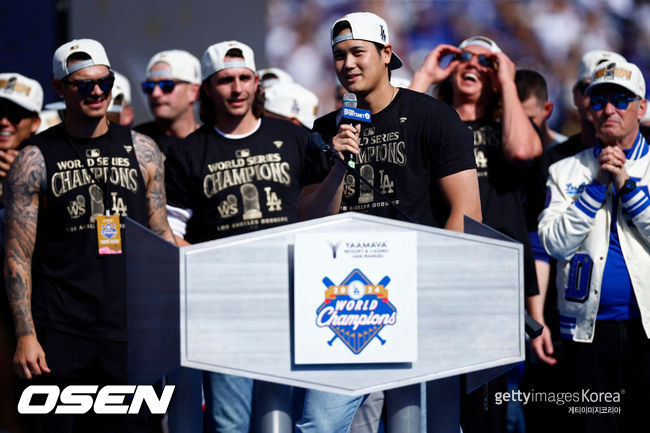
(153,172)
(26,178)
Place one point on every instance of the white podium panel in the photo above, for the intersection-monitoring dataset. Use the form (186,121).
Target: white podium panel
(236,307)
(355,298)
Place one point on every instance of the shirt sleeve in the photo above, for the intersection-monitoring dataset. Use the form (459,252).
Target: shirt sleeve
(450,141)
(567,221)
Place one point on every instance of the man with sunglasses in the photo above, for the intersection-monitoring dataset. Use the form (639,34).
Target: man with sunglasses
(66,194)
(597,225)
(21,100)
(172,89)
(477,79)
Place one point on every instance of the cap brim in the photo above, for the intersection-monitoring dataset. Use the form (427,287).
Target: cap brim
(395,62)
(21,104)
(592,86)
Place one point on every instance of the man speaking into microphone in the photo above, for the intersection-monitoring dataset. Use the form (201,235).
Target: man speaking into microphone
(414,150)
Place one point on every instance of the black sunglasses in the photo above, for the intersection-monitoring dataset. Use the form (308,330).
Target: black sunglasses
(86,87)
(13,113)
(166,86)
(466,56)
(619,101)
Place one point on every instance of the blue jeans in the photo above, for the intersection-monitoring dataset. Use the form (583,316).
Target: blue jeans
(228,403)
(325,412)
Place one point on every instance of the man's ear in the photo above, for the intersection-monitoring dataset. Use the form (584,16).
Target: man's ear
(195,91)
(643,106)
(58,87)
(36,122)
(387,53)
(548,109)
(127,115)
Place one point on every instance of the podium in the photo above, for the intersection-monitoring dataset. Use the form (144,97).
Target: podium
(227,306)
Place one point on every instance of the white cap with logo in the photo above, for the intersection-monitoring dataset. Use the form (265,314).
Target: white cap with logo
(214,58)
(591,59)
(482,41)
(183,66)
(291,100)
(270,76)
(121,92)
(366,26)
(90,47)
(624,74)
(22,91)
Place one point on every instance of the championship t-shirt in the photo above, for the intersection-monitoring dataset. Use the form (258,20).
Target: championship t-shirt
(239,185)
(404,151)
(75,289)
(502,186)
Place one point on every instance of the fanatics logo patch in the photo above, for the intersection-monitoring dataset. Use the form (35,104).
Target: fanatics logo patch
(356,310)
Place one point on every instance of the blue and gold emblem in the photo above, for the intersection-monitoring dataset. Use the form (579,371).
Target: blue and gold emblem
(356,310)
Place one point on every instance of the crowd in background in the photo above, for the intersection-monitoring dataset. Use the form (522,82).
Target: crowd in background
(546,36)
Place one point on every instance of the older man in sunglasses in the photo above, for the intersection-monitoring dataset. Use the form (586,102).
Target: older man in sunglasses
(597,225)
(172,89)
(66,193)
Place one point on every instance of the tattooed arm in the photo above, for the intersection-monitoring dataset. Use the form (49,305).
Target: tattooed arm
(153,172)
(25,180)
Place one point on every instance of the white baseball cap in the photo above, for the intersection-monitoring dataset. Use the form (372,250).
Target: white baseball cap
(214,58)
(21,91)
(291,100)
(366,26)
(49,118)
(591,59)
(482,41)
(270,76)
(92,48)
(624,74)
(183,66)
(121,92)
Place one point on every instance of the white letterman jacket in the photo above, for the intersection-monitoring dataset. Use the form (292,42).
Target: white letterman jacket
(574,228)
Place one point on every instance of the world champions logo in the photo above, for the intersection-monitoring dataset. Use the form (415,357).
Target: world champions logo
(356,310)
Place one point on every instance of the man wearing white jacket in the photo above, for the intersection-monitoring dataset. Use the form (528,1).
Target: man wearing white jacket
(597,224)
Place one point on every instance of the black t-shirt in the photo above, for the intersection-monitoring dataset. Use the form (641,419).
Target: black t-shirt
(151,129)
(239,185)
(405,149)
(76,290)
(502,186)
